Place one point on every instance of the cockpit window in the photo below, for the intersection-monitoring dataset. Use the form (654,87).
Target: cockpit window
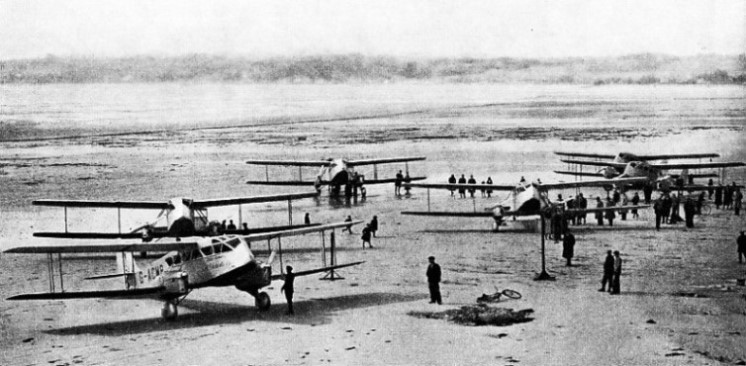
(207,251)
(234,242)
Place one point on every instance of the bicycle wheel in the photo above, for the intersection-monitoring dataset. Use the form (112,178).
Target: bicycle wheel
(511,294)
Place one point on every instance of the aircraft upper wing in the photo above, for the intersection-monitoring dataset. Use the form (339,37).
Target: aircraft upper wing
(289,162)
(580,174)
(724,164)
(384,160)
(109,204)
(585,155)
(299,231)
(604,209)
(254,199)
(286,182)
(106,248)
(454,187)
(134,293)
(596,163)
(593,183)
(677,156)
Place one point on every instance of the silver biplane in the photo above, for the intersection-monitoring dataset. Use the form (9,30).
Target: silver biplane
(178,217)
(218,261)
(525,199)
(335,173)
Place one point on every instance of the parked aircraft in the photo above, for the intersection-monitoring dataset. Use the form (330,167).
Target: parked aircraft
(335,172)
(219,261)
(526,199)
(625,157)
(179,217)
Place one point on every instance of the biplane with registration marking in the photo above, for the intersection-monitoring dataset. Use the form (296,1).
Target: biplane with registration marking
(336,173)
(525,199)
(219,261)
(178,217)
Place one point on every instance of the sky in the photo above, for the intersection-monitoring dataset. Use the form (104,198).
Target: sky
(427,28)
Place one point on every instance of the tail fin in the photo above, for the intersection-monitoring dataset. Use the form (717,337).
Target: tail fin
(127,266)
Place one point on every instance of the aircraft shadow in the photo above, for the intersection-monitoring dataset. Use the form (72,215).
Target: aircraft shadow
(307,312)
(474,231)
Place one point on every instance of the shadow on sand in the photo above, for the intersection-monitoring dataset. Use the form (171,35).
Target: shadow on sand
(307,312)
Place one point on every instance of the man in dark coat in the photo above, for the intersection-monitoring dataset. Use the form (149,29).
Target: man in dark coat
(635,202)
(472,181)
(599,214)
(433,281)
(452,180)
(373,225)
(398,182)
(568,245)
(489,191)
(616,280)
(462,191)
(718,196)
(710,189)
(647,192)
(287,287)
(366,236)
(582,204)
(689,209)
(608,272)
(741,242)
(610,214)
(658,213)
(737,201)
(727,197)
(666,205)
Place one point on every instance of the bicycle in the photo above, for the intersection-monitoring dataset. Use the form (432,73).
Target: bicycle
(512,294)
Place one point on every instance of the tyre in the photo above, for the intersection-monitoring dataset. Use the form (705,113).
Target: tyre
(262,301)
(511,294)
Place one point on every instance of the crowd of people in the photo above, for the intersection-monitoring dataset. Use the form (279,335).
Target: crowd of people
(486,192)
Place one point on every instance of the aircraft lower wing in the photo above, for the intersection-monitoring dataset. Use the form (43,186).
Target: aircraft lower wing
(317,270)
(449,214)
(642,157)
(579,174)
(103,204)
(584,155)
(129,294)
(384,160)
(286,183)
(724,164)
(300,231)
(604,209)
(156,234)
(454,187)
(619,166)
(106,248)
(317,163)
(594,183)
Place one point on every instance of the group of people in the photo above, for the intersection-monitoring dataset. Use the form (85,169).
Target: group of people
(612,273)
(398,182)
(486,192)
(369,231)
(726,197)
(667,206)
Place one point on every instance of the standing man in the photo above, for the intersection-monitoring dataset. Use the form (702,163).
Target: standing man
(568,245)
(472,181)
(719,195)
(366,236)
(307,219)
(599,214)
(582,204)
(635,202)
(489,191)
(658,209)
(608,272)
(433,281)
(610,214)
(647,192)
(615,281)
(741,241)
(737,198)
(689,209)
(461,190)
(452,180)
(287,287)
(348,228)
(373,225)
(397,183)
(710,188)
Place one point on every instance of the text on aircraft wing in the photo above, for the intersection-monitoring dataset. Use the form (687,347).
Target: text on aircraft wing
(254,199)
(317,270)
(285,182)
(492,187)
(596,163)
(677,156)
(106,248)
(300,231)
(134,293)
(289,162)
(384,160)
(106,204)
(725,164)
(584,155)
(593,183)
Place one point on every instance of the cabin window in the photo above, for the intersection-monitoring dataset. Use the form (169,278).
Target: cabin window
(207,251)
(170,261)
(233,243)
(196,254)
(177,259)
(225,248)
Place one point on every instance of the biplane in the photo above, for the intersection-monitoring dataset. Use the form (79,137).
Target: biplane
(335,173)
(178,217)
(220,261)
(613,170)
(525,199)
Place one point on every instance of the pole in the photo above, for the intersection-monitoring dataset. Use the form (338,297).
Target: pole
(323,249)
(428,200)
(59,263)
(65,219)
(119,219)
(543,276)
(290,212)
(240,219)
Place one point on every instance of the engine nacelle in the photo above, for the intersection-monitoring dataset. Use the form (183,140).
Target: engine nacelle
(178,284)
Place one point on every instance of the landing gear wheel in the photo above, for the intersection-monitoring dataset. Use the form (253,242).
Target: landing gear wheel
(262,301)
(169,311)
(511,294)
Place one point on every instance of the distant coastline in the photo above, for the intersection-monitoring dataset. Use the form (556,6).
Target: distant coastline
(644,68)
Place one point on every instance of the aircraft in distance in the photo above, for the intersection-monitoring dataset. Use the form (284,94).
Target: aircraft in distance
(209,262)
(335,173)
(526,199)
(625,157)
(182,217)
(655,173)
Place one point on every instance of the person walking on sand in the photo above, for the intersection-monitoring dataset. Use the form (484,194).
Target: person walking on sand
(615,281)
(287,287)
(366,236)
(348,228)
(433,281)
(373,225)
(608,272)
(741,242)
(568,245)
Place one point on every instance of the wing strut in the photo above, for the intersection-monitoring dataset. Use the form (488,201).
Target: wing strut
(50,269)
(331,275)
